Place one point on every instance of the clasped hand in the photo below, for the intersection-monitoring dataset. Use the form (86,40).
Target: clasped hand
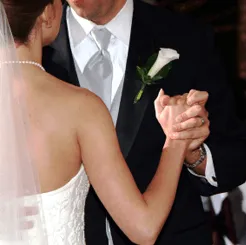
(184,117)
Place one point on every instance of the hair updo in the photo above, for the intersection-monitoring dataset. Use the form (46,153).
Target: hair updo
(22,16)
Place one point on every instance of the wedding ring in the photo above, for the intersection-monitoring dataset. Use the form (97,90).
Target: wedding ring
(202,120)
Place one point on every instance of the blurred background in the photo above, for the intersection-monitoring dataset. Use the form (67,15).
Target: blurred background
(226,212)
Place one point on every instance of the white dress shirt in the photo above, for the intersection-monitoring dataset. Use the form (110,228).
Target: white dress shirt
(83,47)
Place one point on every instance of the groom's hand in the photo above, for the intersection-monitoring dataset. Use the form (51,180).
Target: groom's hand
(194,124)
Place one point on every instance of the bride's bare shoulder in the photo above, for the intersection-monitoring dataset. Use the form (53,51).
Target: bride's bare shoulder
(77,105)
(79,98)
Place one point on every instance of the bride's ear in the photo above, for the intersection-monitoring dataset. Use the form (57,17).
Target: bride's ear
(47,16)
(49,22)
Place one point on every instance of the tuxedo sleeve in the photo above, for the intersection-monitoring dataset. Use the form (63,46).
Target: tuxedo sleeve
(227,140)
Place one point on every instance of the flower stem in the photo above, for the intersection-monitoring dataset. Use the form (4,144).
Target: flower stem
(140,93)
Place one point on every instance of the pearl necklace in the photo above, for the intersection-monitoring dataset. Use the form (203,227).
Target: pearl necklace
(24,62)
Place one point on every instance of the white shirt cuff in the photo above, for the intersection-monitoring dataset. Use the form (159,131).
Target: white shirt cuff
(210,175)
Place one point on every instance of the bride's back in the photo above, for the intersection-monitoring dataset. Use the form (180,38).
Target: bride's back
(53,120)
(54,108)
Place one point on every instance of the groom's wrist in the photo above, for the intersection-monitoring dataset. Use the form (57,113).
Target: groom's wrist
(196,160)
(192,156)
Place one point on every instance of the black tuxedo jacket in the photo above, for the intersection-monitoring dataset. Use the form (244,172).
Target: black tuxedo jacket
(141,138)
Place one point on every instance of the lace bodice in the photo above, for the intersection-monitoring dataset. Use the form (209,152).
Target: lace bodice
(64,212)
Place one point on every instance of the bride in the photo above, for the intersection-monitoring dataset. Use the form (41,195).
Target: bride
(67,135)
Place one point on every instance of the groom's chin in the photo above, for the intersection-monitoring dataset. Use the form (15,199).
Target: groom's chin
(83,8)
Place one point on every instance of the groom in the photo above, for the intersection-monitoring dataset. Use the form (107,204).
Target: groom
(132,32)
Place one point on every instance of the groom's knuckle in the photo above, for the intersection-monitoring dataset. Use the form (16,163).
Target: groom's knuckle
(193,121)
(198,108)
(198,122)
(196,94)
(184,116)
(178,127)
(206,94)
(192,91)
(190,123)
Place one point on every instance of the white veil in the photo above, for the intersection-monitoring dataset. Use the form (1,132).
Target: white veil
(20,219)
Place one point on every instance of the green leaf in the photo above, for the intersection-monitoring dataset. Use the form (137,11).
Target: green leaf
(140,73)
(165,70)
(145,70)
(149,82)
(150,62)
(156,78)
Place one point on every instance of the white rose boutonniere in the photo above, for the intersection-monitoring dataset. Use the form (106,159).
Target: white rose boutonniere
(156,68)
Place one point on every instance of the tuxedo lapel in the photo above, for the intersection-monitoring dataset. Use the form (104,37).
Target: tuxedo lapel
(63,55)
(131,115)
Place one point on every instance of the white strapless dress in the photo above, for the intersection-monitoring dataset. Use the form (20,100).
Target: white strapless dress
(64,213)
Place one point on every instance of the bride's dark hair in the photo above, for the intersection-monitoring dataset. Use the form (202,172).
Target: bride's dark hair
(22,16)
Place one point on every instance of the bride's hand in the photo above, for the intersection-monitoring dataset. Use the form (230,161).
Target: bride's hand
(167,109)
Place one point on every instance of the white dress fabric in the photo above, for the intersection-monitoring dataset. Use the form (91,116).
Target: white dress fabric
(63,211)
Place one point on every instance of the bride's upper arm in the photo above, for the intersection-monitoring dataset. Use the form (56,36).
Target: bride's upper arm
(106,167)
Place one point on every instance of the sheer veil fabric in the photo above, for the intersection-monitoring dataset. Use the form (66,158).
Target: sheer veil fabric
(18,177)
